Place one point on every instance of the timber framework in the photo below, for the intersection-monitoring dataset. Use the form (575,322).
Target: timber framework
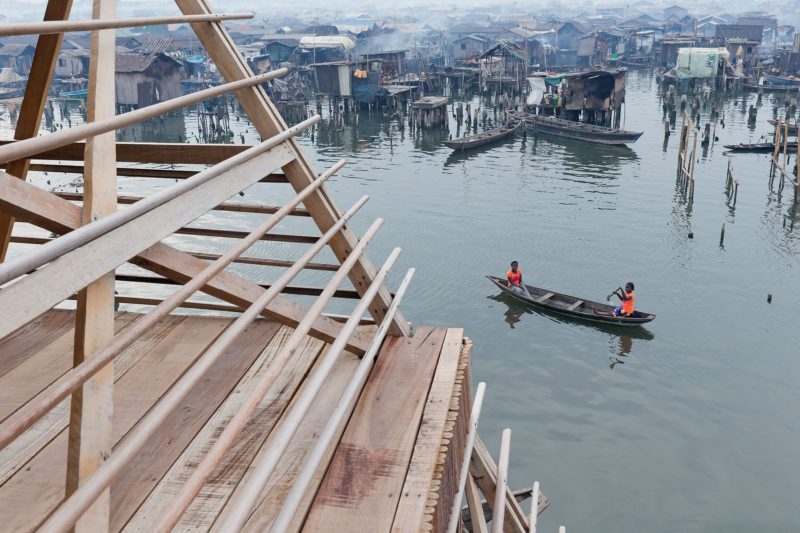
(263,414)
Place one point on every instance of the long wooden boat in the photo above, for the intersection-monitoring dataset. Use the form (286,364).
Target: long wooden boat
(581,131)
(571,306)
(770,88)
(480,139)
(792,126)
(772,79)
(758,148)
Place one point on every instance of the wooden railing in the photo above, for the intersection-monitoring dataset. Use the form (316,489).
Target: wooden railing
(92,240)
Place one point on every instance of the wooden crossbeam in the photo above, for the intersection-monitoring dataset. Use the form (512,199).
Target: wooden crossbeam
(225,206)
(268,122)
(32,108)
(144,152)
(21,199)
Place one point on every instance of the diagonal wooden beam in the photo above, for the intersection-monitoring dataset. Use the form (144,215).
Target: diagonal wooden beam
(268,121)
(32,108)
(52,213)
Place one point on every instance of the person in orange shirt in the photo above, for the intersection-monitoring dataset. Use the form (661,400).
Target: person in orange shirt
(514,277)
(627,299)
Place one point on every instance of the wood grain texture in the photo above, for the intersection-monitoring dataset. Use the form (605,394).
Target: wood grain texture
(132,487)
(362,486)
(420,476)
(26,341)
(204,510)
(34,491)
(26,446)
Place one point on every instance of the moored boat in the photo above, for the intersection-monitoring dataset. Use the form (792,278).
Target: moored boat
(483,138)
(770,88)
(760,148)
(571,306)
(792,126)
(581,130)
(772,79)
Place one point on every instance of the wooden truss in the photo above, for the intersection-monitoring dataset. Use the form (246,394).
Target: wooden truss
(92,241)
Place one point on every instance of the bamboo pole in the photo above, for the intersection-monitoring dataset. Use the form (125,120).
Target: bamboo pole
(475,413)
(343,408)
(72,240)
(534,507)
(502,483)
(238,422)
(28,147)
(41,404)
(280,437)
(786,146)
(777,140)
(70,510)
(59,26)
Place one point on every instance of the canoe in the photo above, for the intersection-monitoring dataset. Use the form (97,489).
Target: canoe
(480,139)
(80,93)
(792,126)
(581,131)
(759,148)
(781,80)
(771,88)
(570,305)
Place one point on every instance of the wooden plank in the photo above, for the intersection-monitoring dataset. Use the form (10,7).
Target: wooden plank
(212,498)
(92,407)
(32,108)
(35,293)
(141,172)
(143,152)
(283,478)
(34,491)
(268,122)
(59,216)
(43,367)
(484,470)
(419,478)
(545,297)
(32,337)
(575,305)
(475,507)
(362,486)
(26,446)
(131,488)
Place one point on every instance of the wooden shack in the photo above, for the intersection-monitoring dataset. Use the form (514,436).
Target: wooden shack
(263,414)
(596,96)
(144,79)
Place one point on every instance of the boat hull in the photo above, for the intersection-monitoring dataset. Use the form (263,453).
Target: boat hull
(781,81)
(481,139)
(561,303)
(582,132)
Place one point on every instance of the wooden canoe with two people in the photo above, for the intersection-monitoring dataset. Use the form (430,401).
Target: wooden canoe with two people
(564,304)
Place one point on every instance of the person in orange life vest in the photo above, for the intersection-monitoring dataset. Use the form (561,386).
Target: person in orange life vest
(514,277)
(627,299)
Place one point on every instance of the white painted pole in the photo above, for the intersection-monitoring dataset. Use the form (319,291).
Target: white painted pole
(455,512)
(499,510)
(534,507)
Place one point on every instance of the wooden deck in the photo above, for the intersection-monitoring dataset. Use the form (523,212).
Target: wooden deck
(382,476)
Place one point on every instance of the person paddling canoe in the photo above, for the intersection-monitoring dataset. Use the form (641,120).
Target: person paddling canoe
(627,299)
(514,277)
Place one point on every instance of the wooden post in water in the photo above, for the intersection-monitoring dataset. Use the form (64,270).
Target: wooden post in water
(797,174)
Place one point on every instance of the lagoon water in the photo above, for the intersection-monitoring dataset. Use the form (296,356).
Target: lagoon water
(687,425)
